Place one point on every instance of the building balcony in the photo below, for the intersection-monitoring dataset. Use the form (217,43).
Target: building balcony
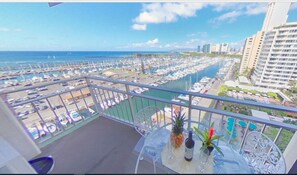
(90,128)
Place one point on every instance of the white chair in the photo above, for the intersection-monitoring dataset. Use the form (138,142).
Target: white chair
(262,155)
(146,121)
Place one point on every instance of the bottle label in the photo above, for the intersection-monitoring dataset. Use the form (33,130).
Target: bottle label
(189,153)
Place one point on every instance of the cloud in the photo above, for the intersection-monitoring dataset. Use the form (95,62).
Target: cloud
(228,17)
(219,7)
(4,29)
(190,44)
(152,42)
(256,8)
(139,26)
(234,10)
(156,13)
(237,44)
(198,34)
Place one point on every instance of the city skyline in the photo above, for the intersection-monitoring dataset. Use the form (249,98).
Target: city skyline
(128,26)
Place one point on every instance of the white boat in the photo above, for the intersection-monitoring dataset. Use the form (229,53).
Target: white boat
(175,100)
(204,80)
(75,116)
(108,103)
(117,100)
(183,97)
(49,127)
(37,79)
(137,91)
(91,110)
(46,76)
(167,109)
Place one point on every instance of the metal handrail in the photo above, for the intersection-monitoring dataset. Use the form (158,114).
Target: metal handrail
(206,109)
(214,97)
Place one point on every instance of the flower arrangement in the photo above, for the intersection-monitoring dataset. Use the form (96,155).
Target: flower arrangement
(207,137)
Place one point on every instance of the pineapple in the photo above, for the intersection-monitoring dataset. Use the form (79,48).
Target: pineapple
(176,136)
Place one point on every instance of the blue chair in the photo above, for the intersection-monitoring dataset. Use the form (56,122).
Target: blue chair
(43,165)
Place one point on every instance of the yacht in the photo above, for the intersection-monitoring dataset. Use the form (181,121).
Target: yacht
(167,109)
(204,80)
(91,110)
(183,97)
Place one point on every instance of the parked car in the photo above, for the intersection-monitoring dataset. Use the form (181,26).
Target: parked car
(75,116)
(64,119)
(58,107)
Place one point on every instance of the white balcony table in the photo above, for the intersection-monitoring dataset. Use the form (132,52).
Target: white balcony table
(231,162)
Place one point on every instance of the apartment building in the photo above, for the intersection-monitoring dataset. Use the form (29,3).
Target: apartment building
(206,48)
(252,48)
(277,63)
(276,15)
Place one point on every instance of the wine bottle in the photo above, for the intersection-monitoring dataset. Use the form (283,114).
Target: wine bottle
(189,147)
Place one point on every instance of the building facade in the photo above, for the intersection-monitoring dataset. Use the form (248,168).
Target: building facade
(252,48)
(224,48)
(198,49)
(206,48)
(215,48)
(276,15)
(277,63)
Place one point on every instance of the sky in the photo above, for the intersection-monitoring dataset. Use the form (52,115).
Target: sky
(128,26)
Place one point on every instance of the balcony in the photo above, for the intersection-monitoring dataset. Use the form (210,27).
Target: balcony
(101,133)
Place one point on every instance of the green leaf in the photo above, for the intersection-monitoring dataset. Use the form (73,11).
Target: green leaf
(218,149)
(215,137)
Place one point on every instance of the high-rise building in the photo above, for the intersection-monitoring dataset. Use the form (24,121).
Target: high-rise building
(206,48)
(224,48)
(198,49)
(252,48)
(215,48)
(277,63)
(277,14)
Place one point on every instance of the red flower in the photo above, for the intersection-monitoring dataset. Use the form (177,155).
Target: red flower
(211,132)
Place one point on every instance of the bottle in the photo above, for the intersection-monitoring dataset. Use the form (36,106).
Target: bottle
(189,147)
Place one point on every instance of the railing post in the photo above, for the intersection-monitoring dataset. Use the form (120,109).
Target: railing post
(189,112)
(130,101)
(244,135)
(76,104)
(96,103)
(263,128)
(277,135)
(56,116)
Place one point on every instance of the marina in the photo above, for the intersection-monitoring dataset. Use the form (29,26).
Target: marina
(192,74)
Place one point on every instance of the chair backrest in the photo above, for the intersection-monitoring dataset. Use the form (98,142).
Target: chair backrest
(262,154)
(147,120)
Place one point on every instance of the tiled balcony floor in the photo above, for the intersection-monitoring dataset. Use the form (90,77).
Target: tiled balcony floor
(101,146)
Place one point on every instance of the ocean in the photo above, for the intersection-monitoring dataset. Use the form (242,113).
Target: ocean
(25,58)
